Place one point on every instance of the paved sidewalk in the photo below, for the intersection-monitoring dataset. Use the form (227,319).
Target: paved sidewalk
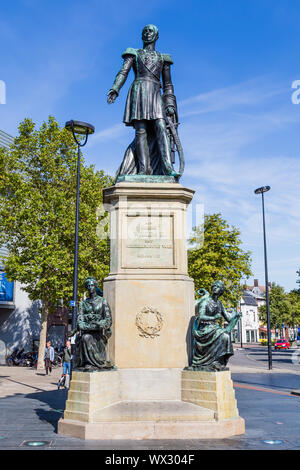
(255,357)
(24,380)
(31,405)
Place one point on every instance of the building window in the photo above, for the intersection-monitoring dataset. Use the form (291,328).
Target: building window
(6,289)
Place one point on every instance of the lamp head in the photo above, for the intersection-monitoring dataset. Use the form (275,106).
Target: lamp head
(79,127)
(263,189)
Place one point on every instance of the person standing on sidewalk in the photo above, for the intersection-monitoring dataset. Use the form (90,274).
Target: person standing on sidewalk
(48,357)
(67,358)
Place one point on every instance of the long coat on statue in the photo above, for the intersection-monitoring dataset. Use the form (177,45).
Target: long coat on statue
(145,102)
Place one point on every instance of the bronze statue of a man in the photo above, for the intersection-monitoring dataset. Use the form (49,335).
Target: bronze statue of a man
(146,110)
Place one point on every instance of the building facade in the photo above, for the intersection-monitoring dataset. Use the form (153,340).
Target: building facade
(259,292)
(250,319)
(247,329)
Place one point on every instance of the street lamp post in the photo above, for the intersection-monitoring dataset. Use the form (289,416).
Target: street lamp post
(241,331)
(81,128)
(261,191)
(241,319)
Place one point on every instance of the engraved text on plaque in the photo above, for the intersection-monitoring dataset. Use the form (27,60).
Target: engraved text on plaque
(149,242)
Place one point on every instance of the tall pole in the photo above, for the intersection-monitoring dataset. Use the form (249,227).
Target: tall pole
(81,128)
(267,286)
(241,318)
(75,271)
(241,331)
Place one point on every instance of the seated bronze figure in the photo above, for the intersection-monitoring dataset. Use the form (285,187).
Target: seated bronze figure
(93,330)
(212,345)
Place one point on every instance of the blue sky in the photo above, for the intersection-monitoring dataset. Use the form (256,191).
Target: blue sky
(234,64)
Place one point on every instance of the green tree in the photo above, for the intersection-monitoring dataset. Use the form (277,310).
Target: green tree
(216,253)
(37,216)
(280,308)
(294,299)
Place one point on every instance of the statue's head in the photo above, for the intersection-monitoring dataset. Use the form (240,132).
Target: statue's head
(149,33)
(218,288)
(91,284)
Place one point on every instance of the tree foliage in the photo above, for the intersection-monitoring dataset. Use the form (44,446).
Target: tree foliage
(37,214)
(281,308)
(294,299)
(216,253)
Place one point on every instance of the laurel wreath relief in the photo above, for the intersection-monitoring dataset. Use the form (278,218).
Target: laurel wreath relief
(149,322)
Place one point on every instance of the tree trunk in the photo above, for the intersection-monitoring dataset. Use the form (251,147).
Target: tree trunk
(43,336)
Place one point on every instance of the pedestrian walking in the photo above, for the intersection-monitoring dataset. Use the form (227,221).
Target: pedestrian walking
(48,357)
(64,381)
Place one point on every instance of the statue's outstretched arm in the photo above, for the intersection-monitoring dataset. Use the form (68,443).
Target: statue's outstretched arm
(121,77)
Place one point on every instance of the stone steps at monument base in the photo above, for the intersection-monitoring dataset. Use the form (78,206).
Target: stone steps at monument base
(140,430)
(189,394)
(160,410)
(226,411)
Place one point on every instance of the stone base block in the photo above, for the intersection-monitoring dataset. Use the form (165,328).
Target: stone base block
(213,390)
(150,384)
(90,392)
(153,411)
(142,430)
(122,404)
(131,299)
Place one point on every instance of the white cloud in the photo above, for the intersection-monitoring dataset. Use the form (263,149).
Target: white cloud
(248,93)
(110,133)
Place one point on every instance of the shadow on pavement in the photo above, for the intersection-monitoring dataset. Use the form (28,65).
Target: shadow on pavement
(55,399)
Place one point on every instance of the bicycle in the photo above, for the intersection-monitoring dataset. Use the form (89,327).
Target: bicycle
(57,360)
(64,381)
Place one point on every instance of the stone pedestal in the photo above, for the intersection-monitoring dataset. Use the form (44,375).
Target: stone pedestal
(141,404)
(213,390)
(152,301)
(148,288)
(90,392)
